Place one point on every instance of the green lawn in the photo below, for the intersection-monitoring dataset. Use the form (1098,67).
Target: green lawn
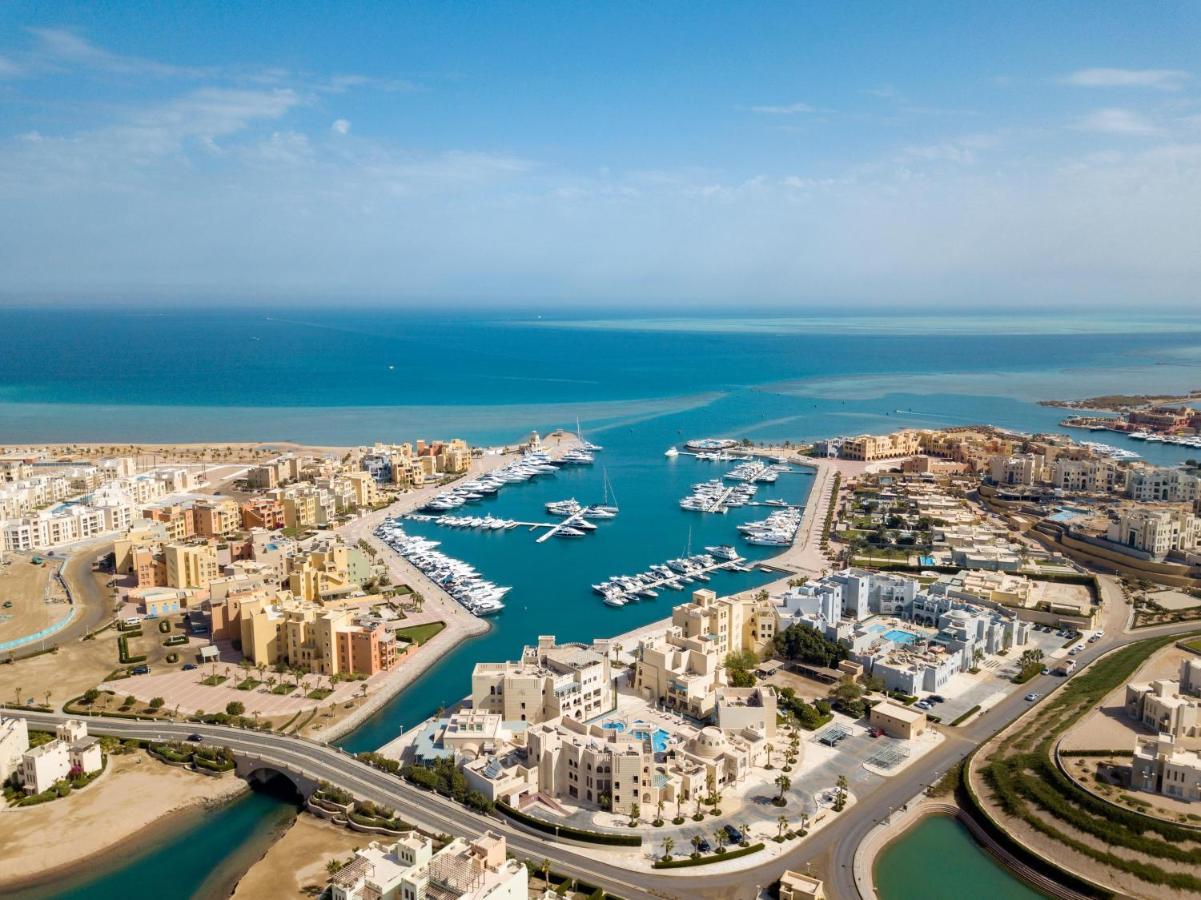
(419,634)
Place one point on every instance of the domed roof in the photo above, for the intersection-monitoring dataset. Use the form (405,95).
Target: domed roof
(709,742)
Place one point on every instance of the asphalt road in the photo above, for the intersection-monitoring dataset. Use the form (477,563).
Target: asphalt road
(832,848)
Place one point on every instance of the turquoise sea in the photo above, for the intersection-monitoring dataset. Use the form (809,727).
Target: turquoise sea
(636,385)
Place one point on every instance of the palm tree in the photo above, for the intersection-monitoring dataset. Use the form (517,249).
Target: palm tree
(696,844)
(770,749)
(720,836)
(745,828)
(804,822)
(47,698)
(783,782)
(781,824)
(17,695)
(668,845)
(659,810)
(545,869)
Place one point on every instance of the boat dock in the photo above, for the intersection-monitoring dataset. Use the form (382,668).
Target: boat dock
(566,523)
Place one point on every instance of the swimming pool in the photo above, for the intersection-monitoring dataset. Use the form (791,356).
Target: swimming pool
(658,738)
(897,636)
(614,725)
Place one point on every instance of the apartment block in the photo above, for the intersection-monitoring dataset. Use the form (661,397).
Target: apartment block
(1156,531)
(263,512)
(190,566)
(869,447)
(72,749)
(547,682)
(14,741)
(409,870)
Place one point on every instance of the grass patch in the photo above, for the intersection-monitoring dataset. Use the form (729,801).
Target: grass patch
(419,634)
(319,693)
(248,684)
(214,680)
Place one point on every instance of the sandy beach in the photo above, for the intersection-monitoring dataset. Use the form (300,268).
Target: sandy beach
(133,794)
(297,860)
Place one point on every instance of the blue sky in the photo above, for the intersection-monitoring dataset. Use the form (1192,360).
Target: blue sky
(667,155)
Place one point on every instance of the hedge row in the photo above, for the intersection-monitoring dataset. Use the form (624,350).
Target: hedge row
(971,712)
(705,860)
(123,650)
(566,831)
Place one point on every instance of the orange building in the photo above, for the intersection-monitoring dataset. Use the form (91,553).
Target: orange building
(366,650)
(263,512)
(149,567)
(180,521)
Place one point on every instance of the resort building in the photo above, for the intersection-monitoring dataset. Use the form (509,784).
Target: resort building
(1160,706)
(1160,767)
(322,570)
(71,750)
(321,641)
(1156,531)
(409,870)
(548,681)
(1150,484)
(683,673)
(190,566)
(1089,476)
(869,447)
(263,512)
(729,623)
(1022,468)
(14,741)
(749,709)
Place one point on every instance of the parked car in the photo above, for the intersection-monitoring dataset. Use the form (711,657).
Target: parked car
(140,670)
(704,846)
(936,698)
(188,667)
(1046,671)
(734,834)
(1032,696)
(922,704)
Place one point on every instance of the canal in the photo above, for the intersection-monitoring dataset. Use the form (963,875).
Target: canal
(938,860)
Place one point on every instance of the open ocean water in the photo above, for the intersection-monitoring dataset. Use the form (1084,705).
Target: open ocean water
(637,385)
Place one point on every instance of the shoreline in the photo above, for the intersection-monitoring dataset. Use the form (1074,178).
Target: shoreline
(146,833)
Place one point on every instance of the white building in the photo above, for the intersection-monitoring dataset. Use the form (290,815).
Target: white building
(1088,475)
(14,741)
(1150,485)
(1156,531)
(409,870)
(72,749)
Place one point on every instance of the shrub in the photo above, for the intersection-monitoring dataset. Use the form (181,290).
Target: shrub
(234,708)
(595,837)
(705,860)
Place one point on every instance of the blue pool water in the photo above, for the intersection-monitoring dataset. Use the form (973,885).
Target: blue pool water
(900,637)
(614,726)
(658,738)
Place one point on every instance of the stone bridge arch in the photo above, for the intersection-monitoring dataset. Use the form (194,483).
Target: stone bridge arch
(258,769)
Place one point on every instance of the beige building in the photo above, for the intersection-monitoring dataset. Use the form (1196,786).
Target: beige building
(325,569)
(795,886)
(366,494)
(1160,767)
(1156,530)
(897,720)
(1163,705)
(409,870)
(684,673)
(43,766)
(216,518)
(869,447)
(190,566)
(728,624)
(549,681)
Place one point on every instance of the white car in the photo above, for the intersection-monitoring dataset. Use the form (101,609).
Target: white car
(1031,697)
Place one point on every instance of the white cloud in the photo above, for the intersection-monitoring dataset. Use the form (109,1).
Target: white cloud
(790,109)
(340,126)
(1118,121)
(58,46)
(1160,79)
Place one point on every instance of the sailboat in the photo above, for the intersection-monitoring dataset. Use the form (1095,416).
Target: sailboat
(606,508)
(587,445)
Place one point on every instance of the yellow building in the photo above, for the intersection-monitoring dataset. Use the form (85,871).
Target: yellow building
(143,538)
(216,518)
(868,447)
(324,569)
(190,565)
(729,624)
(365,491)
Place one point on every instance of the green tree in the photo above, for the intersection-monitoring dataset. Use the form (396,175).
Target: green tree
(234,708)
(668,845)
(157,703)
(783,782)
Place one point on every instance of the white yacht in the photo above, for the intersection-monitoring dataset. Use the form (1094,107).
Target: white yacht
(671,452)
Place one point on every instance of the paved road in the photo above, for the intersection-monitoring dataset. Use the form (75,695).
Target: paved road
(835,844)
(839,845)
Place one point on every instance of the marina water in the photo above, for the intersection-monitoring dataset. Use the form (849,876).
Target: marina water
(361,376)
